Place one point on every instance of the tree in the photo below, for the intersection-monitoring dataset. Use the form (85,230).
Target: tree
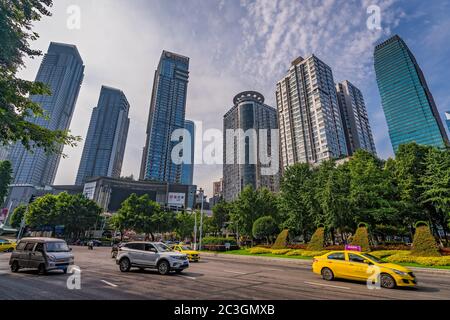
(185,225)
(265,228)
(17,216)
(317,240)
(42,212)
(297,203)
(16,107)
(5,178)
(221,215)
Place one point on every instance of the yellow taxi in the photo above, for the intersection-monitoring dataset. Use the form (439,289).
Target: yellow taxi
(355,265)
(7,245)
(193,256)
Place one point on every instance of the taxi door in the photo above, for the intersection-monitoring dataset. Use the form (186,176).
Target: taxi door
(357,268)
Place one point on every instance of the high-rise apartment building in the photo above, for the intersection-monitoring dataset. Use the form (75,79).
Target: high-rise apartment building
(106,139)
(447,119)
(311,129)
(411,113)
(62,71)
(248,130)
(355,119)
(187,174)
(167,114)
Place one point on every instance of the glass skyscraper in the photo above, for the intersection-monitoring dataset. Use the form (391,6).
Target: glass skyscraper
(408,104)
(104,148)
(248,113)
(62,70)
(355,118)
(187,176)
(167,114)
(311,128)
(447,119)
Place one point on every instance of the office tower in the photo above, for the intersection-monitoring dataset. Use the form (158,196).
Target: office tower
(311,129)
(447,119)
(187,174)
(4,152)
(244,127)
(218,188)
(104,148)
(167,114)
(355,119)
(410,110)
(62,71)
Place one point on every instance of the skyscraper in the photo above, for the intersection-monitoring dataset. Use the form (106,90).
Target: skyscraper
(354,118)
(106,138)
(187,176)
(408,104)
(311,129)
(62,70)
(447,119)
(243,155)
(167,114)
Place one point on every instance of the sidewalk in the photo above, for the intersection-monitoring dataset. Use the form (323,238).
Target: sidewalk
(306,262)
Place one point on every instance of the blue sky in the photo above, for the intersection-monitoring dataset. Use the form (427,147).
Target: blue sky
(236,46)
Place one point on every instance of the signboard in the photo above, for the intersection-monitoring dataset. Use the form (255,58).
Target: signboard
(353,248)
(227,246)
(177,199)
(89,190)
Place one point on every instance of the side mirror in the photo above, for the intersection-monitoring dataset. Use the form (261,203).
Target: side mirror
(368,262)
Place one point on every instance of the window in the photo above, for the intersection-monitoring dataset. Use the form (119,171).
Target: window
(150,247)
(356,258)
(29,247)
(337,256)
(39,247)
(21,246)
(136,246)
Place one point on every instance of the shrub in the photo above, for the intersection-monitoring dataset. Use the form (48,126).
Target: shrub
(426,261)
(218,241)
(317,240)
(387,253)
(295,253)
(259,250)
(265,228)
(424,244)
(282,240)
(306,253)
(297,246)
(280,252)
(361,238)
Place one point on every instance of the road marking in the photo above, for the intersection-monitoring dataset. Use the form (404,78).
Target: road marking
(191,278)
(109,284)
(326,285)
(235,272)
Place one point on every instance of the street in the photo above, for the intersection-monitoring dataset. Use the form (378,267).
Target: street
(213,278)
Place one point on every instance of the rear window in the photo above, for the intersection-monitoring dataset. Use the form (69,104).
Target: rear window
(135,246)
(29,246)
(21,246)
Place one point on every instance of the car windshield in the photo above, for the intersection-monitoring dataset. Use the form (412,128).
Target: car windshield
(161,247)
(186,248)
(57,247)
(371,257)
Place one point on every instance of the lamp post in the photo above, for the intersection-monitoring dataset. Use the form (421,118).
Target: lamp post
(201,219)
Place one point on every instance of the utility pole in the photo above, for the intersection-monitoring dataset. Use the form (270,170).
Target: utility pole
(201,220)
(195,230)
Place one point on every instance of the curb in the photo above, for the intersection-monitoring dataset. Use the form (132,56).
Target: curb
(305,262)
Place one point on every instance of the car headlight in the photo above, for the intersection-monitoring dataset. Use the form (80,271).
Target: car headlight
(401,273)
(51,258)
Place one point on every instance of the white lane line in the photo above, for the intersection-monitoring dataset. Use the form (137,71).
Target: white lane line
(235,272)
(109,284)
(191,278)
(326,285)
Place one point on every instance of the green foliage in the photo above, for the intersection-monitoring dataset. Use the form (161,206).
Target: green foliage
(282,240)
(251,205)
(17,216)
(218,241)
(259,250)
(424,244)
(408,257)
(221,215)
(17,19)
(5,178)
(185,225)
(264,228)
(317,240)
(361,238)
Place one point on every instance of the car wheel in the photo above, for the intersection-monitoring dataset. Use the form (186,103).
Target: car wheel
(163,268)
(15,266)
(125,265)
(387,281)
(327,274)
(41,269)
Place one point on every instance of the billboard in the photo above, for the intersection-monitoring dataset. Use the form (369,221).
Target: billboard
(89,190)
(177,199)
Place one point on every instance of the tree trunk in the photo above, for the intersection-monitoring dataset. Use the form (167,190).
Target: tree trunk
(153,237)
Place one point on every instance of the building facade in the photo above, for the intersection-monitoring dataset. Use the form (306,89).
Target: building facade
(167,114)
(447,120)
(106,139)
(408,104)
(311,128)
(187,173)
(243,143)
(355,119)
(62,71)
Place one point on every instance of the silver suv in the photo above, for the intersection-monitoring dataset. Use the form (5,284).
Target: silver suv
(154,255)
(43,254)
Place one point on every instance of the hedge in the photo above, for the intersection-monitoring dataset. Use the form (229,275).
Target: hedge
(361,238)
(426,261)
(317,240)
(282,240)
(424,244)
(259,250)
(218,241)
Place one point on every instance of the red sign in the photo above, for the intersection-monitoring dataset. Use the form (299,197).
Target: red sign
(353,248)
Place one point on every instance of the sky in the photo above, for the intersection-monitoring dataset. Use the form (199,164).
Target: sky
(234,46)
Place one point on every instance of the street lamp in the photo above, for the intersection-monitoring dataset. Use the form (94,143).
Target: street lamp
(201,193)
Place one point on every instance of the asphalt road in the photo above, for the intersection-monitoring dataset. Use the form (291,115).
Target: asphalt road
(215,278)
